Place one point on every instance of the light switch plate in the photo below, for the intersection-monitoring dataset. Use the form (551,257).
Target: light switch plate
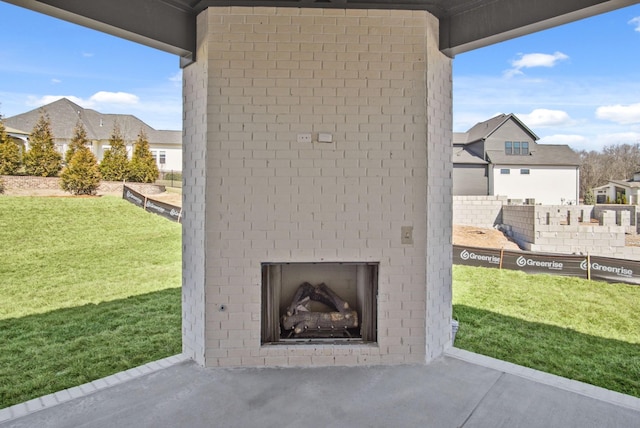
(406,234)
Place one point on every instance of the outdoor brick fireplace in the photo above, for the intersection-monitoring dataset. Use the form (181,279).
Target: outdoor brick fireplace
(317,150)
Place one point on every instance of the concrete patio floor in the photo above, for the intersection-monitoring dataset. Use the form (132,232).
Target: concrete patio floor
(460,389)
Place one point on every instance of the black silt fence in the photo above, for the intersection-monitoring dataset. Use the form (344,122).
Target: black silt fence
(162,209)
(587,267)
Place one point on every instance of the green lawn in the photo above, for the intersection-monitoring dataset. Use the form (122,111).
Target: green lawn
(91,286)
(88,287)
(583,330)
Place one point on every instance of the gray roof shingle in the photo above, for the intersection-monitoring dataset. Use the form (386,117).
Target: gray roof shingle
(542,154)
(65,114)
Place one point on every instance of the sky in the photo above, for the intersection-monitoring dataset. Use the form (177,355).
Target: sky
(577,84)
(43,59)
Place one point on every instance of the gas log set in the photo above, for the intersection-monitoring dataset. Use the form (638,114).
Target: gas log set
(300,321)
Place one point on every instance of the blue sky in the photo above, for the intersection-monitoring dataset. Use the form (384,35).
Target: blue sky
(578,84)
(43,58)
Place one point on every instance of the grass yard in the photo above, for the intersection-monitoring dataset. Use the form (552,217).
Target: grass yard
(88,287)
(583,330)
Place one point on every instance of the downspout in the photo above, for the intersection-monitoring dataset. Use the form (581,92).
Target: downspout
(577,185)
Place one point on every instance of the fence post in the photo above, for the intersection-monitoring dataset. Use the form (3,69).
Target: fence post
(501,256)
(588,266)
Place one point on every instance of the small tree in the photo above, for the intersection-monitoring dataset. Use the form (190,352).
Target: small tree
(78,140)
(42,158)
(143,168)
(115,163)
(81,176)
(9,153)
(589,198)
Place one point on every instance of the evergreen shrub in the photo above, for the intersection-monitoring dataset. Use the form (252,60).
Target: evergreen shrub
(81,176)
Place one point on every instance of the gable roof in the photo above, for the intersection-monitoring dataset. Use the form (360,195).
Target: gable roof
(539,154)
(624,183)
(65,114)
(483,130)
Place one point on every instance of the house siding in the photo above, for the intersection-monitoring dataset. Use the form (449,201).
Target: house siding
(470,180)
(509,131)
(547,185)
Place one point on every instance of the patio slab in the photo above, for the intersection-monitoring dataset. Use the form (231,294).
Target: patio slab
(460,389)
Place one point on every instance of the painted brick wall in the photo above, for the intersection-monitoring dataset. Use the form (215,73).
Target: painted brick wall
(439,196)
(194,166)
(370,78)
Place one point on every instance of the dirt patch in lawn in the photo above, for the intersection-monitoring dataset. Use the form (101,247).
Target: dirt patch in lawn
(472,236)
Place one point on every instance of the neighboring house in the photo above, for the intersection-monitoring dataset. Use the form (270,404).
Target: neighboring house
(19,136)
(501,157)
(166,146)
(614,190)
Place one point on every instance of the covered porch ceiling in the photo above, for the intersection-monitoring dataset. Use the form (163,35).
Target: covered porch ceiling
(169,25)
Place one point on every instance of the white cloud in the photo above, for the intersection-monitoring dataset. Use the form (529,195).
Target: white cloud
(543,117)
(47,99)
(534,60)
(56,81)
(619,138)
(99,99)
(87,54)
(176,78)
(104,97)
(161,111)
(636,22)
(622,114)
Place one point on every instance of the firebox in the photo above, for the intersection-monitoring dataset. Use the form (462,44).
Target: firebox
(319,302)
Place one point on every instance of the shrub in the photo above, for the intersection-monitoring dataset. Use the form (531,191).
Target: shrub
(142,168)
(9,153)
(1,186)
(82,175)
(589,198)
(78,140)
(115,163)
(42,159)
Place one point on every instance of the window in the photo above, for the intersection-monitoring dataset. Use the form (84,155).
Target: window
(525,171)
(505,171)
(162,157)
(516,148)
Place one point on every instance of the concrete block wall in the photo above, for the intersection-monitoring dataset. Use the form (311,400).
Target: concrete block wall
(479,211)
(607,218)
(368,77)
(521,221)
(579,239)
(631,209)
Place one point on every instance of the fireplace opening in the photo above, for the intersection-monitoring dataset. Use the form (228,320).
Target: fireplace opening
(319,302)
